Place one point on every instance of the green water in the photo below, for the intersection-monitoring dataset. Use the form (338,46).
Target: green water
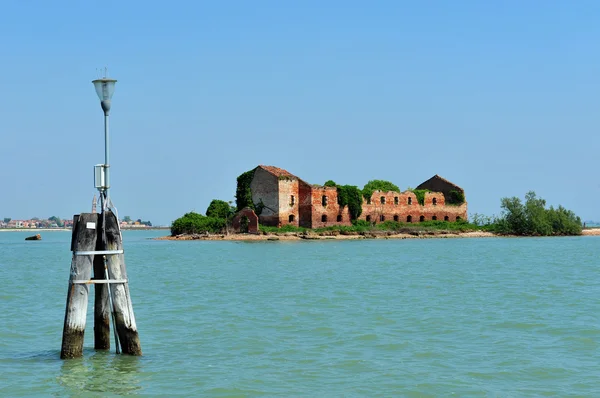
(438,317)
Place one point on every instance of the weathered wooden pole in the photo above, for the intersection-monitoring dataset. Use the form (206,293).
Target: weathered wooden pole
(101,300)
(83,239)
(124,318)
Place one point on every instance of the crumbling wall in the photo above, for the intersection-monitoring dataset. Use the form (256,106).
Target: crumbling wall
(252,220)
(289,202)
(265,197)
(404,207)
(325,209)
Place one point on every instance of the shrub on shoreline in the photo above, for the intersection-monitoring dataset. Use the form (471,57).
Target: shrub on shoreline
(194,223)
(532,218)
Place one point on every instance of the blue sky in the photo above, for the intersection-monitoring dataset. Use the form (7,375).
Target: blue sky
(498,97)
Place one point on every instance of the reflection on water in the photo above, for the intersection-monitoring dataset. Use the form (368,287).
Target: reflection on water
(102,372)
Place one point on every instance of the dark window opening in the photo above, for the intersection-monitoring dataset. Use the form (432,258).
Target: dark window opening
(446,218)
(396,218)
(244,224)
(382,218)
(434,218)
(292,200)
(408,218)
(368,201)
(382,200)
(422,218)
(458,218)
(396,200)
(324,218)
(369,218)
(291,218)
(324,200)
(409,200)
(339,218)
(434,202)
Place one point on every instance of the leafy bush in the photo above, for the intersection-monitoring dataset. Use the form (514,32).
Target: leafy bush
(420,194)
(455,198)
(330,183)
(194,223)
(219,209)
(243,193)
(533,219)
(378,185)
(350,195)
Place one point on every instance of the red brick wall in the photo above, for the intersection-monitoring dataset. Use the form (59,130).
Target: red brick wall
(403,210)
(252,220)
(288,206)
(331,210)
(305,204)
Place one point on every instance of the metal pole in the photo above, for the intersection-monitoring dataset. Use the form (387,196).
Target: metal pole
(106,153)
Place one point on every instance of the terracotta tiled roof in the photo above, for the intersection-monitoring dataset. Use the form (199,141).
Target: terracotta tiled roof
(277,172)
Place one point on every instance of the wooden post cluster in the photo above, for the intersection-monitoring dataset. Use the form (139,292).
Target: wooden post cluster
(91,234)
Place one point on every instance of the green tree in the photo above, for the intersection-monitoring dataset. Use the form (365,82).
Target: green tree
(378,185)
(127,219)
(56,220)
(7,219)
(193,223)
(330,183)
(351,196)
(219,209)
(243,193)
(532,218)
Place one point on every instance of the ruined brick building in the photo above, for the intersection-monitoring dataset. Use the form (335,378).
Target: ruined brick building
(281,198)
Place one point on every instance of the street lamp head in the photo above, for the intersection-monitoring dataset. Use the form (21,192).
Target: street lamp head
(105,89)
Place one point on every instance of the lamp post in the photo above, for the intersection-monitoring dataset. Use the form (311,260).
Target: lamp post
(105,89)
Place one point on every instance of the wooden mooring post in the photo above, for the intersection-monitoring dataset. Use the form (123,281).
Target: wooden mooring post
(98,245)
(83,239)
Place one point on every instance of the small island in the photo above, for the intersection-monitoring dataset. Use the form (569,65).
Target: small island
(273,204)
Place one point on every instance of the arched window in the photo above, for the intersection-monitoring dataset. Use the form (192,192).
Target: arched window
(339,218)
(324,200)
(396,218)
(369,218)
(434,218)
(395,200)
(291,218)
(446,218)
(382,218)
(382,199)
(292,200)
(408,218)
(324,218)
(434,201)
(422,218)
(410,200)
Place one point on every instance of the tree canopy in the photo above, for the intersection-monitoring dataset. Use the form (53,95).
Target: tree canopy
(378,185)
(219,209)
(194,223)
(532,218)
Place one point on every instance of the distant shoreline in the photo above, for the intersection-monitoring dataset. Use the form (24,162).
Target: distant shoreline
(34,229)
(289,236)
(324,236)
(69,229)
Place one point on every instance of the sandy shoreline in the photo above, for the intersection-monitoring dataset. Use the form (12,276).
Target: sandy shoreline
(333,236)
(314,236)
